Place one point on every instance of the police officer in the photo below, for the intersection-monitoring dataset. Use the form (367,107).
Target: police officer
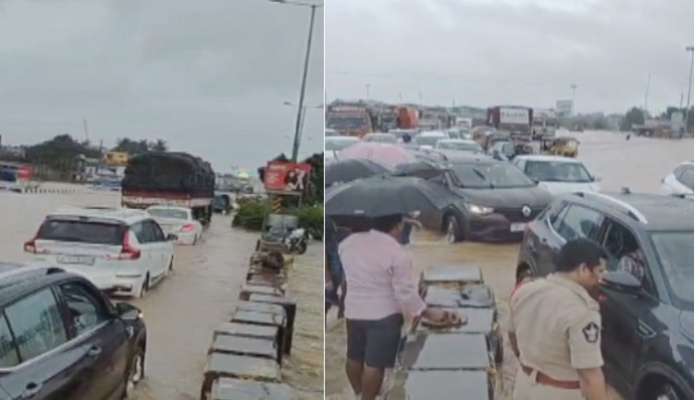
(555,328)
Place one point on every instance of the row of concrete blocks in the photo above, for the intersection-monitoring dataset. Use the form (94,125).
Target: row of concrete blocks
(449,363)
(246,353)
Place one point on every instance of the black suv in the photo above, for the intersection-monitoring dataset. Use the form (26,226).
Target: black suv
(61,338)
(647,307)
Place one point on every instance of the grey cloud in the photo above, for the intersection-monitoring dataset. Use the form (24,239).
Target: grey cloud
(487,52)
(210,77)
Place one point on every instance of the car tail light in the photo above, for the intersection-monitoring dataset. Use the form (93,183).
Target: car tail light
(187,228)
(129,252)
(30,246)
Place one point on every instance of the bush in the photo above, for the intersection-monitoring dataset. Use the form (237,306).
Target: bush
(311,219)
(251,214)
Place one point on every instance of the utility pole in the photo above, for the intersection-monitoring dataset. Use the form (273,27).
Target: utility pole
(680,105)
(646,96)
(691,49)
(300,110)
(573,97)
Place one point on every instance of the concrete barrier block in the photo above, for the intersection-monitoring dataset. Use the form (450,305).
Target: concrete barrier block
(237,389)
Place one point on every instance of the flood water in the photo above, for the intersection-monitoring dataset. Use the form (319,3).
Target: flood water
(639,164)
(183,310)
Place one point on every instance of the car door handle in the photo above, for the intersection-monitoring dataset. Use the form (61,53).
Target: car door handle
(644,331)
(94,351)
(31,390)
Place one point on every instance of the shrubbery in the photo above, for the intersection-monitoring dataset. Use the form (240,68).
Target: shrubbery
(252,213)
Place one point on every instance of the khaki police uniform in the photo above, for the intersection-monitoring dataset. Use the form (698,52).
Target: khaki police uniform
(558,328)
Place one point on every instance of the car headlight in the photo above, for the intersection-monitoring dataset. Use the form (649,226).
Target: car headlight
(477,209)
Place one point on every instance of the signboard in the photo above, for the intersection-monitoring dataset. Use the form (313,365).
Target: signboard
(287,177)
(514,116)
(564,107)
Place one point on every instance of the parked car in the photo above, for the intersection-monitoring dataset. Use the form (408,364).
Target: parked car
(428,139)
(469,146)
(121,251)
(558,175)
(380,138)
(63,339)
(177,221)
(223,203)
(680,181)
(495,201)
(502,150)
(647,311)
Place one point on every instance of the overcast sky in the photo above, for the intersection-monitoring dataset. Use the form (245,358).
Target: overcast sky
(209,77)
(484,52)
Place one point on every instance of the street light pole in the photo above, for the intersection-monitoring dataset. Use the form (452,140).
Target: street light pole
(691,49)
(297,132)
(573,98)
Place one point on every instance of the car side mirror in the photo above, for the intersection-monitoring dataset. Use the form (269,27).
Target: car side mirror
(171,237)
(622,281)
(127,311)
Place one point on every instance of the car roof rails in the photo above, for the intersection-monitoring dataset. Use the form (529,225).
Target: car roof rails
(631,211)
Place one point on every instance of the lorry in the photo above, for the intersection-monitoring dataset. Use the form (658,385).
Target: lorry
(169,178)
(408,118)
(516,120)
(349,120)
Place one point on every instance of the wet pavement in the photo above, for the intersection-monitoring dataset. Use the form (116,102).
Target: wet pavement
(183,310)
(639,164)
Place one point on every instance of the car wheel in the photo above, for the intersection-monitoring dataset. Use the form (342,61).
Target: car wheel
(134,374)
(302,248)
(453,232)
(194,241)
(666,392)
(170,267)
(144,287)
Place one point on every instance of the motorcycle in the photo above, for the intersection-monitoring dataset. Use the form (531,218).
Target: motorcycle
(296,241)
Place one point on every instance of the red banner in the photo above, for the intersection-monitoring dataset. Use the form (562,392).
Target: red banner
(282,176)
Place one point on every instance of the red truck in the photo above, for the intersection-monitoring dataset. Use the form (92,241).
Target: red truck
(349,120)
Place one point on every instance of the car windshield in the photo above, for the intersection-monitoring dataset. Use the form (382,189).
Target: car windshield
(675,252)
(427,140)
(81,231)
(461,146)
(554,171)
(168,213)
(337,144)
(493,175)
(380,138)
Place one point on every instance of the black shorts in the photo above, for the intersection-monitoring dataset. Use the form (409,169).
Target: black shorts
(375,342)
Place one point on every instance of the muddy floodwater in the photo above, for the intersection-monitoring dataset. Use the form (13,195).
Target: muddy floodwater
(639,164)
(183,310)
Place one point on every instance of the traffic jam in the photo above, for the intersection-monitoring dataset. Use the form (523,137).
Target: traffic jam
(490,201)
(95,308)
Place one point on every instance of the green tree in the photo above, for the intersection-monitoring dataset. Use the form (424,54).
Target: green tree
(60,153)
(159,145)
(635,116)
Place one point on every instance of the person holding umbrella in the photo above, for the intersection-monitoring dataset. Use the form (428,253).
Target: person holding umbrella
(382,288)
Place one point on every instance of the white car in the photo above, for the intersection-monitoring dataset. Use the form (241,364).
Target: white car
(380,138)
(428,139)
(680,181)
(460,145)
(177,221)
(121,251)
(558,175)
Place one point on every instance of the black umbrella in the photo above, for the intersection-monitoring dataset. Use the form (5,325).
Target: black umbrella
(422,169)
(380,196)
(351,169)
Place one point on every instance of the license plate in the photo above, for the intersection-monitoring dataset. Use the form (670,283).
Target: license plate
(83,260)
(517,227)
